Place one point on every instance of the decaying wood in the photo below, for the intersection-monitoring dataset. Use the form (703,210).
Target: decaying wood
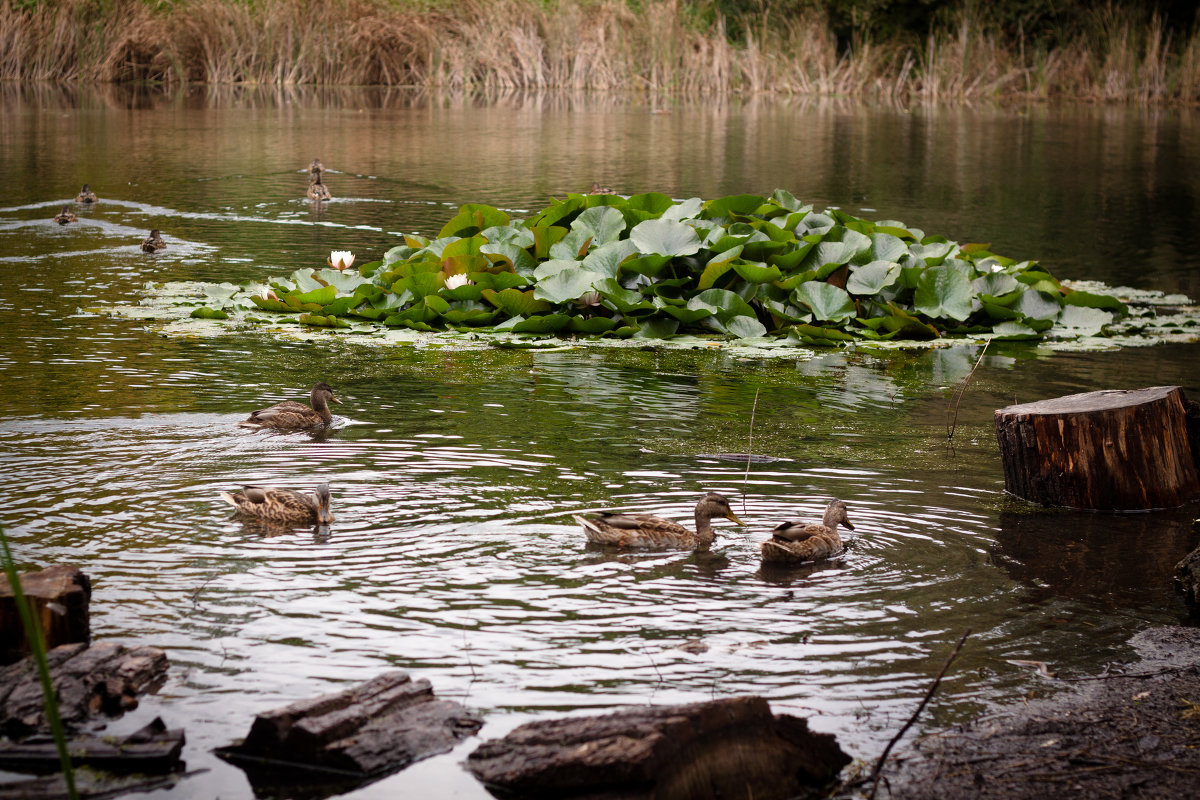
(105,678)
(1187,577)
(1108,450)
(378,726)
(152,748)
(59,597)
(732,747)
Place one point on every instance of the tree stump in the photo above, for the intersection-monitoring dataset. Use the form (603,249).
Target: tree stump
(58,597)
(1108,450)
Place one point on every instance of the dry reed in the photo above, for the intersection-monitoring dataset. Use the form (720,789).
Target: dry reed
(510,45)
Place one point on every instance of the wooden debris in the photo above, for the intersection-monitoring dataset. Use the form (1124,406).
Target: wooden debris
(1109,450)
(105,678)
(149,749)
(59,597)
(1187,577)
(382,725)
(724,748)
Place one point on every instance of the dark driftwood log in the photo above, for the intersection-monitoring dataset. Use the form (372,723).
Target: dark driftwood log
(1187,577)
(1110,450)
(105,678)
(59,597)
(150,749)
(378,726)
(725,748)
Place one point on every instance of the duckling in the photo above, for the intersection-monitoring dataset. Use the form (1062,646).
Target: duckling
(282,505)
(795,541)
(290,415)
(86,195)
(648,531)
(66,216)
(317,190)
(154,242)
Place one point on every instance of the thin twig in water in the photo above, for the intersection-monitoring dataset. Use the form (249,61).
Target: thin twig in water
(749,451)
(924,701)
(957,397)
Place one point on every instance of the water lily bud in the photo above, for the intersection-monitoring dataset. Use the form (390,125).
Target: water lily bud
(342,259)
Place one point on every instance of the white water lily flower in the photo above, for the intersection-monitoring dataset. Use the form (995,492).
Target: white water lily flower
(268,293)
(455,281)
(342,259)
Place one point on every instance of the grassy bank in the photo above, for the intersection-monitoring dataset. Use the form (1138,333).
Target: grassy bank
(663,45)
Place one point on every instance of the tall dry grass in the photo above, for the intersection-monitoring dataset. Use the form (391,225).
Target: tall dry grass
(509,45)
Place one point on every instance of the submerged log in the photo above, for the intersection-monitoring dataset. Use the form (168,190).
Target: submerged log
(384,724)
(724,748)
(59,597)
(152,748)
(1109,450)
(105,678)
(1187,578)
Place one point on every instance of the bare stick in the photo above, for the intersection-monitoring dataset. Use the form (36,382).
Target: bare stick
(957,397)
(924,701)
(749,451)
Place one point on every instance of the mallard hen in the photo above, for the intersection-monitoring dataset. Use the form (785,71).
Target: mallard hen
(66,216)
(290,415)
(316,189)
(795,541)
(316,166)
(648,531)
(154,242)
(282,505)
(86,195)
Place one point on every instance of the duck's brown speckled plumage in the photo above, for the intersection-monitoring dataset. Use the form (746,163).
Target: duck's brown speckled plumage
(651,532)
(316,189)
(66,216)
(154,242)
(282,505)
(86,195)
(290,415)
(795,541)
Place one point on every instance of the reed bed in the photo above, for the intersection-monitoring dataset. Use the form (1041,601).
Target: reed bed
(582,45)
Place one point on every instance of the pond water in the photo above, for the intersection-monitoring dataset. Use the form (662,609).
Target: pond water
(457,471)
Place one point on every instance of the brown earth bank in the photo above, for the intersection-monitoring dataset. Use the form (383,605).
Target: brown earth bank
(1128,734)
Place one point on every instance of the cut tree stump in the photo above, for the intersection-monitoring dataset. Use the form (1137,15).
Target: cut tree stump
(1108,450)
(733,747)
(58,597)
(382,725)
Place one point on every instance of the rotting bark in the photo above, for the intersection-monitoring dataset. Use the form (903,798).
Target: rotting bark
(105,678)
(732,747)
(375,727)
(59,597)
(150,749)
(1108,450)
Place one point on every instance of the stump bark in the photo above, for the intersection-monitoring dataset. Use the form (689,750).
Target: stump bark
(1108,450)
(59,598)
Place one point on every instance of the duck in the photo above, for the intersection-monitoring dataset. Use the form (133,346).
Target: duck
(598,189)
(795,540)
(154,242)
(316,166)
(316,189)
(290,415)
(86,195)
(648,531)
(282,505)
(66,216)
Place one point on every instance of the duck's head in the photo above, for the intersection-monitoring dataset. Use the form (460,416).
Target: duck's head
(315,166)
(86,188)
(324,515)
(325,392)
(835,514)
(715,505)
(155,234)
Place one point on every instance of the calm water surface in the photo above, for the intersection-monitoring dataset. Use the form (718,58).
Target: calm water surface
(454,555)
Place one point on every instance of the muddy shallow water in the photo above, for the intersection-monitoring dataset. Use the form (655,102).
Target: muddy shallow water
(456,472)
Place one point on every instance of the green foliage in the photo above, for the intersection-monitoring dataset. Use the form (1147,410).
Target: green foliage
(743,266)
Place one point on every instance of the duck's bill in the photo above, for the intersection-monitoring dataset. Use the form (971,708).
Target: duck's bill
(733,517)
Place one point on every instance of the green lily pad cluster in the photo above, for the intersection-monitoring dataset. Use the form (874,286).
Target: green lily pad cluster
(741,266)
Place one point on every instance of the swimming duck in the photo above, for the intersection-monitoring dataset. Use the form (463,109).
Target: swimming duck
(282,505)
(86,195)
(646,530)
(290,415)
(795,541)
(316,166)
(66,216)
(598,189)
(154,242)
(316,189)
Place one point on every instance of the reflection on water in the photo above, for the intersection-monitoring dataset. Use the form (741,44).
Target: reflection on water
(456,474)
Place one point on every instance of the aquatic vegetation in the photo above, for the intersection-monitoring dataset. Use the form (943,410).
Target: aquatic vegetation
(647,266)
